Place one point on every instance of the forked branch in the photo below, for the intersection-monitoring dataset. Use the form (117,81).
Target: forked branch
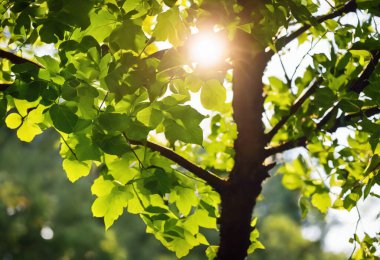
(341,121)
(294,108)
(213,180)
(357,86)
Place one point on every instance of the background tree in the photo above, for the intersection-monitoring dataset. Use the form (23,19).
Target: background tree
(122,106)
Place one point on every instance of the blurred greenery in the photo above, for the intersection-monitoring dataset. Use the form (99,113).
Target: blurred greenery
(44,216)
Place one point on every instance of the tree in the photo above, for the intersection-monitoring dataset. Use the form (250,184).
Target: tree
(122,106)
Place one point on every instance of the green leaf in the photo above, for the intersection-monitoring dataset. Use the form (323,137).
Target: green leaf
(113,122)
(181,247)
(128,36)
(211,252)
(150,117)
(111,201)
(292,181)
(49,63)
(213,95)
(184,198)
(203,219)
(170,27)
(85,149)
(183,124)
(76,169)
(121,169)
(170,3)
(373,164)
(139,7)
(193,83)
(102,23)
(63,118)
(177,131)
(304,205)
(28,130)
(30,123)
(321,201)
(102,187)
(255,244)
(110,144)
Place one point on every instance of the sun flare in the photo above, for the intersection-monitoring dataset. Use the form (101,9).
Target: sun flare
(207,49)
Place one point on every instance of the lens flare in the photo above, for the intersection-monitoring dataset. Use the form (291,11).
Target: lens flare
(207,49)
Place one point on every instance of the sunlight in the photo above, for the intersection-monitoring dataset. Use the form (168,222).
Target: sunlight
(207,49)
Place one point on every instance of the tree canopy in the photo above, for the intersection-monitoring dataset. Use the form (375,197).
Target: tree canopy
(161,134)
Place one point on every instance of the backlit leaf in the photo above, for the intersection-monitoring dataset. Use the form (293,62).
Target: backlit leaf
(213,95)
(321,201)
(76,169)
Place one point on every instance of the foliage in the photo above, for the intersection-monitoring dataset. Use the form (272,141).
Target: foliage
(124,107)
(36,194)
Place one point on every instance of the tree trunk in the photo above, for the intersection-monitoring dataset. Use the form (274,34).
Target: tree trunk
(244,184)
(235,221)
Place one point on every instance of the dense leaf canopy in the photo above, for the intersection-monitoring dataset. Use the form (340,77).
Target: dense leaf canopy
(161,134)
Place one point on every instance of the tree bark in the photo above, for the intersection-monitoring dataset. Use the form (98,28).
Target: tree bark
(237,205)
(244,184)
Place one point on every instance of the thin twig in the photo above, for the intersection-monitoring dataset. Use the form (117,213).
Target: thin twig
(190,177)
(134,153)
(138,197)
(288,80)
(356,230)
(68,146)
(101,104)
(347,8)
(312,46)
(294,108)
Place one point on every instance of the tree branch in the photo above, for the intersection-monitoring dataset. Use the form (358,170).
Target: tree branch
(339,122)
(357,86)
(4,86)
(213,180)
(344,119)
(350,6)
(287,146)
(294,108)
(16,59)
(362,82)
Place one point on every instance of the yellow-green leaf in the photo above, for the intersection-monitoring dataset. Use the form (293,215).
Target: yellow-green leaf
(111,206)
(76,169)
(170,27)
(321,201)
(184,199)
(213,95)
(28,130)
(101,187)
(13,121)
(121,170)
(211,252)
